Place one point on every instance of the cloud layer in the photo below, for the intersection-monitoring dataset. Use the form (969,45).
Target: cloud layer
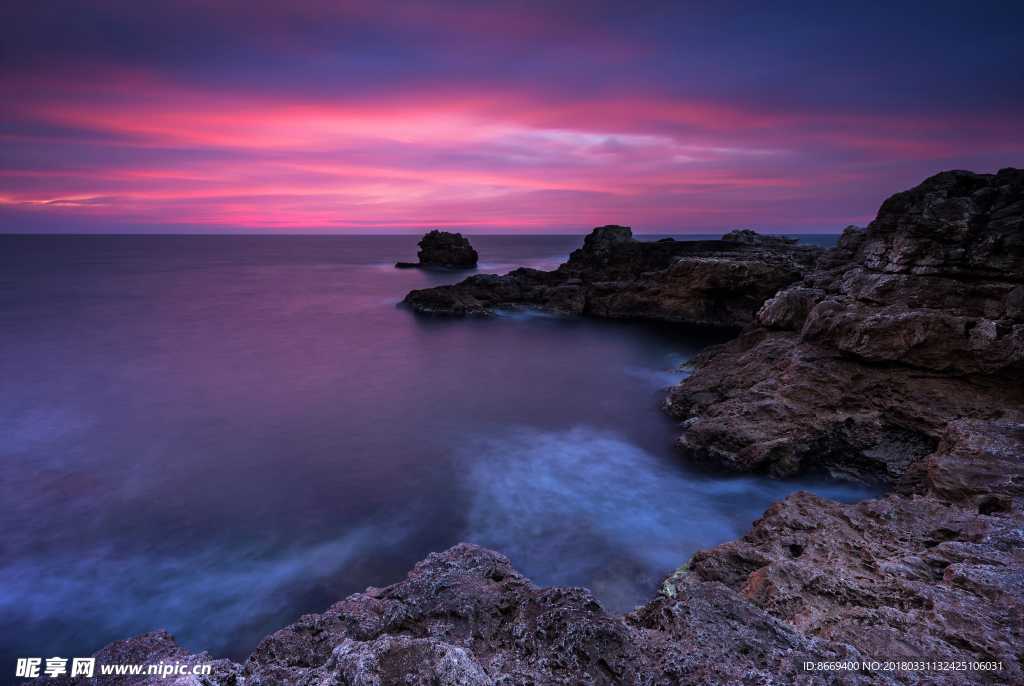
(498,117)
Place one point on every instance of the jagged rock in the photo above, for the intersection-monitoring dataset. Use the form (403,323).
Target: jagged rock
(710,283)
(899,357)
(956,223)
(916,320)
(466,617)
(935,571)
(444,249)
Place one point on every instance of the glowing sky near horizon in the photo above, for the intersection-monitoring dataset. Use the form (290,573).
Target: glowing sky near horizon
(500,117)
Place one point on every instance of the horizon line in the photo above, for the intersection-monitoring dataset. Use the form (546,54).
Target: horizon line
(325,235)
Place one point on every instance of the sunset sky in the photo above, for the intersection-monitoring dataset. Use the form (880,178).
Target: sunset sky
(494,117)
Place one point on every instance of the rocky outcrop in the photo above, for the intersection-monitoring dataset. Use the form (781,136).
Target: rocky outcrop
(906,325)
(900,357)
(933,572)
(465,617)
(444,249)
(710,283)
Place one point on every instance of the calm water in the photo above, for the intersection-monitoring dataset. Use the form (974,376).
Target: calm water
(215,435)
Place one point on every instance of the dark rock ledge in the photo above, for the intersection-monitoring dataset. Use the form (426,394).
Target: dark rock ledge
(710,283)
(443,249)
(897,356)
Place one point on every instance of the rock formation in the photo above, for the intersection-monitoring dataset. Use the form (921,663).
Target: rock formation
(465,617)
(899,356)
(444,249)
(904,327)
(710,283)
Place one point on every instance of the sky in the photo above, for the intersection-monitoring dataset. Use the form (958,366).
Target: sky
(556,116)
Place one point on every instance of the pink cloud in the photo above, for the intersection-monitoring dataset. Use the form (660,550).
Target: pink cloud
(158,151)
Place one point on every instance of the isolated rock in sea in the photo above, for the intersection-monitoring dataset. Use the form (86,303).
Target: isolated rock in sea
(444,249)
(710,283)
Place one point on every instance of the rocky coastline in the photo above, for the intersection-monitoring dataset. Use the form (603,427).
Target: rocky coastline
(897,355)
(719,283)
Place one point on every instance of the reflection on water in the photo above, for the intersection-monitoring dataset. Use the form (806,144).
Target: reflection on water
(215,435)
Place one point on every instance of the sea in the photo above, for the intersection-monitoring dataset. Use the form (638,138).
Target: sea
(215,435)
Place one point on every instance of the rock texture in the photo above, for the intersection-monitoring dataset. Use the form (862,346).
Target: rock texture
(444,249)
(900,357)
(465,617)
(710,283)
(154,648)
(905,326)
(933,575)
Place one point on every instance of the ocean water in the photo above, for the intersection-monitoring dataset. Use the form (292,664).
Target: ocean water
(217,434)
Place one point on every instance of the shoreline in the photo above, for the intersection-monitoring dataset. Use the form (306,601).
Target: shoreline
(865,363)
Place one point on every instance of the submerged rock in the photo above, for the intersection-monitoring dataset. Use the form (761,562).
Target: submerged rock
(709,283)
(444,249)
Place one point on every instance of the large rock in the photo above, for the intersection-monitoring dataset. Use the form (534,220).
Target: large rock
(956,223)
(934,570)
(900,357)
(710,283)
(444,249)
(908,324)
(466,617)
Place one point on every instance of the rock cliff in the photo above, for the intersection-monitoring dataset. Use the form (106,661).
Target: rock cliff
(444,249)
(905,326)
(900,357)
(709,283)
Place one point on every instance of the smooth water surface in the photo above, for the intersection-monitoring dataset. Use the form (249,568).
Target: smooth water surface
(217,434)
